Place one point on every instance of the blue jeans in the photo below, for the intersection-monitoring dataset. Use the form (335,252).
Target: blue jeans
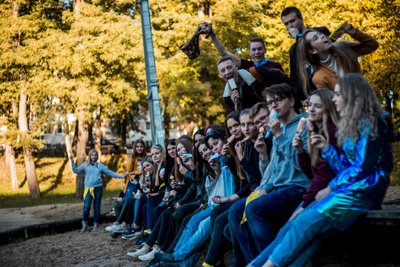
(87,202)
(240,232)
(118,207)
(265,215)
(150,204)
(138,211)
(191,228)
(196,241)
(297,240)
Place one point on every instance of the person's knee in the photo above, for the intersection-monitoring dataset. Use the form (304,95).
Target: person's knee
(236,212)
(220,222)
(86,208)
(252,210)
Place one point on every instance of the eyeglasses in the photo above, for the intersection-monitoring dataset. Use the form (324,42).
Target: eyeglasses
(277,101)
(260,121)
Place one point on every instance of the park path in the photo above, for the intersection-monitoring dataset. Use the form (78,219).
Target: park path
(14,218)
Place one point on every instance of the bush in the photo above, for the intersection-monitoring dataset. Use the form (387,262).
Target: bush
(395,176)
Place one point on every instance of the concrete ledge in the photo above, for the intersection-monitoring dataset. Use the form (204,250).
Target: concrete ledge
(368,243)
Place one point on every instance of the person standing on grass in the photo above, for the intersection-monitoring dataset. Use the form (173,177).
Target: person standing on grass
(93,186)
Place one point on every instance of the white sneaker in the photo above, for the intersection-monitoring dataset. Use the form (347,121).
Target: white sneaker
(117,228)
(144,250)
(138,233)
(149,256)
(108,228)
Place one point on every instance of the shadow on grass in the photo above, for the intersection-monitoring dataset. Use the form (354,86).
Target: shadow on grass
(42,164)
(58,178)
(23,200)
(23,182)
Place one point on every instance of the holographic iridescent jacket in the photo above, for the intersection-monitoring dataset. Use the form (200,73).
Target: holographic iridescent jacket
(362,167)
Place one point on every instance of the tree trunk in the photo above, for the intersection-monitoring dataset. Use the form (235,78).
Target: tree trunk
(97,132)
(77,8)
(123,132)
(10,159)
(204,9)
(167,120)
(10,152)
(30,168)
(82,125)
(90,141)
(81,154)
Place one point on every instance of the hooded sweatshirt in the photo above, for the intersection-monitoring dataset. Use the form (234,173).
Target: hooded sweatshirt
(282,168)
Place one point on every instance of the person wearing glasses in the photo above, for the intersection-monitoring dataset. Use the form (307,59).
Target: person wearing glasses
(254,221)
(362,168)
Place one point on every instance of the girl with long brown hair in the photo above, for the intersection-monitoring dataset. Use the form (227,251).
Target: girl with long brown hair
(323,61)
(322,119)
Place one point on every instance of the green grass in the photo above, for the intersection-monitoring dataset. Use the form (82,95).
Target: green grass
(56,182)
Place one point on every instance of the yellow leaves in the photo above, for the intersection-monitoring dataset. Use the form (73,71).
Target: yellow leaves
(97,59)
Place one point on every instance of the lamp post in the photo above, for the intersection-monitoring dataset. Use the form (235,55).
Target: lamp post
(153,100)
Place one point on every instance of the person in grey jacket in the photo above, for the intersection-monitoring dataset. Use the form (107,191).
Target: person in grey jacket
(255,220)
(93,186)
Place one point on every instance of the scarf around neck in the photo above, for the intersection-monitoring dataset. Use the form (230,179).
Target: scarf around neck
(262,63)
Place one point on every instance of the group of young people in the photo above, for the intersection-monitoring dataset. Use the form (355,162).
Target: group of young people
(279,177)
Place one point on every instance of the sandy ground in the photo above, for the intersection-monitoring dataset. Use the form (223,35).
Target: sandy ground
(20,217)
(69,249)
(72,248)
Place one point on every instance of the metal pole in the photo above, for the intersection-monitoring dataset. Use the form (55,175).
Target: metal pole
(153,100)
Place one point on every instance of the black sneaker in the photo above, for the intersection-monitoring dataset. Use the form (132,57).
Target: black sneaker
(131,232)
(115,235)
(153,263)
(142,239)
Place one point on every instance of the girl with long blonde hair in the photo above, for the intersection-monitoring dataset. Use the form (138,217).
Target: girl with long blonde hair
(93,171)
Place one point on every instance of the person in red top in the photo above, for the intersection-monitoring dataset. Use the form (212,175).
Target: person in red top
(322,119)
